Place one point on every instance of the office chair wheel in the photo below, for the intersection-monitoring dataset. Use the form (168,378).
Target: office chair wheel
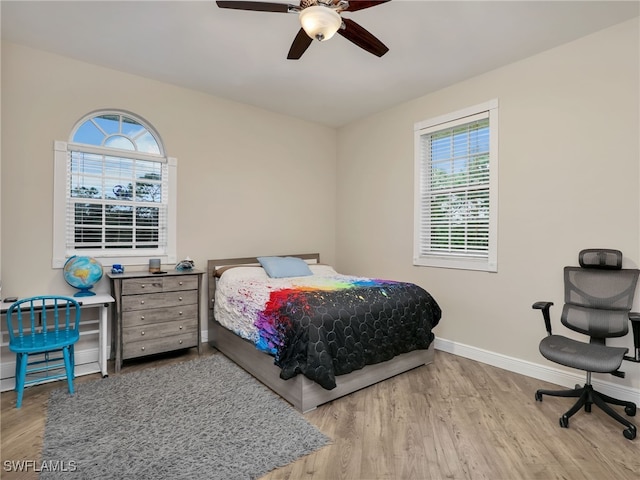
(630,410)
(538,397)
(564,422)
(629,433)
(587,407)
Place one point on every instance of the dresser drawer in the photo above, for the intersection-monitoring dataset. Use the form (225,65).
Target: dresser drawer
(184,282)
(159,345)
(159,300)
(134,286)
(159,330)
(155,315)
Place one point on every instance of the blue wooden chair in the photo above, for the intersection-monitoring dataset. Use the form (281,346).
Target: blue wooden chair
(46,327)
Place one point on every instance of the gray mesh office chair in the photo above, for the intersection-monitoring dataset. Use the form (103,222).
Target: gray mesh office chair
(598,296)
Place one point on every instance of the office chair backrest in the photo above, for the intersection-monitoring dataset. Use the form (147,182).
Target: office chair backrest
(599,295)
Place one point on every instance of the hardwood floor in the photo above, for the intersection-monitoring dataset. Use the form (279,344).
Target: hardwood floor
(453,419)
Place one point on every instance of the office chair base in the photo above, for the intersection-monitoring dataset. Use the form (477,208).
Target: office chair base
(587,396)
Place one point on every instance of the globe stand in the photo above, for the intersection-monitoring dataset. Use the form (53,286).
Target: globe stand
(85,292)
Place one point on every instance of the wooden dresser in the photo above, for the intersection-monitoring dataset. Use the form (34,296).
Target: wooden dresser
(155,313)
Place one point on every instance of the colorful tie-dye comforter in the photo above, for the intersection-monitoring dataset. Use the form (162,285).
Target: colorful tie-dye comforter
(326,324)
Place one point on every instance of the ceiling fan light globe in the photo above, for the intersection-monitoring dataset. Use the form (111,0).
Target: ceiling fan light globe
(320,22)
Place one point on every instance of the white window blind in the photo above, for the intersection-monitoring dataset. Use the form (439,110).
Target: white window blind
(456,192)
(116,203)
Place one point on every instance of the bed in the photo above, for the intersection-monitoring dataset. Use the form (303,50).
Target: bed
(286,336)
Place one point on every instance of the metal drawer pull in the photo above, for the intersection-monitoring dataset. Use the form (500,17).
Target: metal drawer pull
(180,342)
(179,283)
(141,317)
(179,313)
(142,348)
(142,332)
(142,286)
(180,327)
(180,298)
(142,302)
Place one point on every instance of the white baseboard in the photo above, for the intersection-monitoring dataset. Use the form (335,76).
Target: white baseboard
(534,370)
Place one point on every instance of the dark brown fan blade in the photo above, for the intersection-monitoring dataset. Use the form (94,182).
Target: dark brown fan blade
(299,45)
(362,38)
(360,5)
(255,6)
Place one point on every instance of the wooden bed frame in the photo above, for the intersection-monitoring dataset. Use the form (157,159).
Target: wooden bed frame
(302,393)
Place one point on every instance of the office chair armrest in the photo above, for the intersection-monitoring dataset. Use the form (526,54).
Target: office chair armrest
(544,306)
(635,325)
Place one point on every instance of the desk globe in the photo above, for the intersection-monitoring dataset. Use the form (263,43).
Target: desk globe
(82,273)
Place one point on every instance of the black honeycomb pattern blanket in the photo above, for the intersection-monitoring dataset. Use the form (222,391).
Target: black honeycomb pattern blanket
(322,334)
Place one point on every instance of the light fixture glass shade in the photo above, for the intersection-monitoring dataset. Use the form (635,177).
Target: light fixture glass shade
(320,22)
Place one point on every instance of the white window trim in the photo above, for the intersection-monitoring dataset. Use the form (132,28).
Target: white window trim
(60,255)
(489,264)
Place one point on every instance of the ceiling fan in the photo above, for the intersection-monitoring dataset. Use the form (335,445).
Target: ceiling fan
(320,19)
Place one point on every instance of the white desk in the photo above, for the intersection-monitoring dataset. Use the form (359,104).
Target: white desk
(98,300)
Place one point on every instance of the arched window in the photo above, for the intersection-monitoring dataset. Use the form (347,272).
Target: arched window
(114,192)
(119,131)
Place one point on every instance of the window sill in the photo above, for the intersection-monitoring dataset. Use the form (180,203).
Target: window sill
(460,263)
(108,261)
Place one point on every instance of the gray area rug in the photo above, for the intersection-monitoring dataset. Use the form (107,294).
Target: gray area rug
(202,419)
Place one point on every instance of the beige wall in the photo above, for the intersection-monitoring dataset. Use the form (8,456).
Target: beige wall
(249,181)
(568,179)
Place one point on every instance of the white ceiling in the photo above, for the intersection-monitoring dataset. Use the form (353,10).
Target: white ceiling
(241,55)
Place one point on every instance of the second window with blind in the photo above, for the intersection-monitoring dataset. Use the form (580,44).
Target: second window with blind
(456,189)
